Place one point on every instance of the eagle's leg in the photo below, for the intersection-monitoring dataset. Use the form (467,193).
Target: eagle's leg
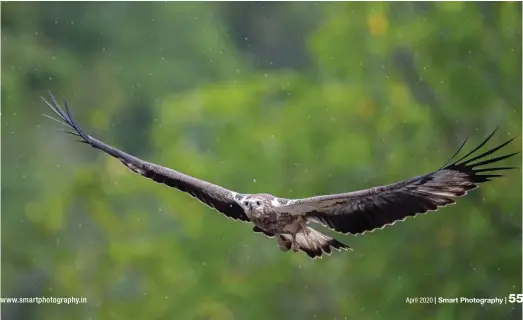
(294,245)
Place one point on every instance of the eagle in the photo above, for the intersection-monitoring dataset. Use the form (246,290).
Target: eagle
(288,220)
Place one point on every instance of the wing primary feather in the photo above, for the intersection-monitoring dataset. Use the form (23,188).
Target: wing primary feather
(478,147)
(69,132)
(57,106)
(494,169)
(54,119)
(74,124)
(482,163)
(455,154)
(55,111)
(489,152)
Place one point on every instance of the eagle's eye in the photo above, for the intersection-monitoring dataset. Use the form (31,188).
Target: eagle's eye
(258,203)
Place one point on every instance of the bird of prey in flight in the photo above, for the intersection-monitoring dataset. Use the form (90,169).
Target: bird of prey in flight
(348,213)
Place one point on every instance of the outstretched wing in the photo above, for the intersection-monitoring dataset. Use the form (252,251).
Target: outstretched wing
(366,210)
(212,195)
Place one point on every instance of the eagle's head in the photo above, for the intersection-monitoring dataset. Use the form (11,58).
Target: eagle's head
(257,203)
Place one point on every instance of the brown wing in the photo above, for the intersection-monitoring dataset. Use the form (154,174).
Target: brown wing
(212,195)
(366,210)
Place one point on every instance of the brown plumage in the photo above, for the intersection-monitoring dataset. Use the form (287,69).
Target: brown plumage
(352,212)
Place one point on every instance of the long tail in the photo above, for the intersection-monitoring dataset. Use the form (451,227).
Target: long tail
(315,243)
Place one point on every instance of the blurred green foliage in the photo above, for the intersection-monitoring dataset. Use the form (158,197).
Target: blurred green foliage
(294,99)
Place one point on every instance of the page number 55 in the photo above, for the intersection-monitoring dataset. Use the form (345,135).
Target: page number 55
(515,298)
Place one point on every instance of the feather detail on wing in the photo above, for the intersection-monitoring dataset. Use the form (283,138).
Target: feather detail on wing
(362,211)
(216,197)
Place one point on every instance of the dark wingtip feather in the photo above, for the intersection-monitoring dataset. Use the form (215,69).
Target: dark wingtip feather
(455,153)
(69,132)
(488,152)
(495,169)
(493,160)
(479,146)
(66,117)
(54,119)
(471,165)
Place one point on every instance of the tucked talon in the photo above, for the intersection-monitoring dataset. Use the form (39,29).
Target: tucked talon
(283,244)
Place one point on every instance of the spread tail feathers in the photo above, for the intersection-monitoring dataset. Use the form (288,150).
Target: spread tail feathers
(314,243)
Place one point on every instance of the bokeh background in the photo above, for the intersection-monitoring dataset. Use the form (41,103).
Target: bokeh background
(295,99)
